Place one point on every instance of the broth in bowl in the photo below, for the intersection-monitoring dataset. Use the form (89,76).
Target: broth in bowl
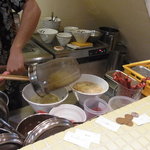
(49,98)
(87,87)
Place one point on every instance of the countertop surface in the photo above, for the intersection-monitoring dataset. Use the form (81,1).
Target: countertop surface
(126,138)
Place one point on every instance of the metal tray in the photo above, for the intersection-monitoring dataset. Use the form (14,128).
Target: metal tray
(142,70)
(112,83)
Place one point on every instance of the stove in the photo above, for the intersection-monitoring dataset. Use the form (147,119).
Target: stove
(97,52)
(33,53)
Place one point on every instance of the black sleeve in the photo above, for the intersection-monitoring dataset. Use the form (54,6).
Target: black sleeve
(17,5)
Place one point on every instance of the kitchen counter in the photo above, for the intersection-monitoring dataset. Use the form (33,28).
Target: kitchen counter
(126,138)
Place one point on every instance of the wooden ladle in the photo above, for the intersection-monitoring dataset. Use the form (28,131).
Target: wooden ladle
(14,77)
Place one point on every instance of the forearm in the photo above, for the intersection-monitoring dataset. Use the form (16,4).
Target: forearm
(29,21)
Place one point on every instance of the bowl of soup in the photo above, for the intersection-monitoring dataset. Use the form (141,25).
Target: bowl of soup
(44,103)
(89,85)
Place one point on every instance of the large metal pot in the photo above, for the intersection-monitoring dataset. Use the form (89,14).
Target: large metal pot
(30,122)
(9,140)
(109,36)
(40,126)
(47,128)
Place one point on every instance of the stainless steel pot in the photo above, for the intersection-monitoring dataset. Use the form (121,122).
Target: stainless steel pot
(109,36)
(95,36)
(47,128)
(9,140)
(30,122)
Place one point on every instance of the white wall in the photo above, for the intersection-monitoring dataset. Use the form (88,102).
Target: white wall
(71,12)
(129,16)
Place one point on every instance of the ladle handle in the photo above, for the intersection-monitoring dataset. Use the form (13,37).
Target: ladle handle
(14,77)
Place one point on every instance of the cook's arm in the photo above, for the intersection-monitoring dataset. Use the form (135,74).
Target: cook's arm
(29,20)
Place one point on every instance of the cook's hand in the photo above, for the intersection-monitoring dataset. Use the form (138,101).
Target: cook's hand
(15,64)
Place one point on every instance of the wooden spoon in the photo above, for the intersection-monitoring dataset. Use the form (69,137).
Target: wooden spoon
(14,77)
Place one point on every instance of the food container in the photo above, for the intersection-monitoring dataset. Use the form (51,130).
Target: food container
(52,23)
(128,69)
(121,90)
(64,38)
(4,97)
(81,35)
(9,140)
(95,36)
(70,112)
(119,101)
(94,106)
(28,93)
(29,123)
(93,79)
(47,128)
(70,29)
(47,34)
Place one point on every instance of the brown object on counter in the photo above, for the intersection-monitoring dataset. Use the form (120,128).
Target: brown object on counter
(127,120)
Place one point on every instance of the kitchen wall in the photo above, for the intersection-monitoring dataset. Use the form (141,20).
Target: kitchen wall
(71,12)
(129,16)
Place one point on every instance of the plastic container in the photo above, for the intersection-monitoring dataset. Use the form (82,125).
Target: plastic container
(119,101)
(128,70)
(94,106)
(124,91)
(70,112)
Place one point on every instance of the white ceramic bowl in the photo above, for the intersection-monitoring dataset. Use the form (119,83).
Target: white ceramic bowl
(48,23)
(47,35)
(70,29)
(70,112)
(81,35)
(63,38)
(28,93)
(90,78)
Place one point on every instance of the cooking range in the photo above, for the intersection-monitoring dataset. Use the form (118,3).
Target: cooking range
(97,52)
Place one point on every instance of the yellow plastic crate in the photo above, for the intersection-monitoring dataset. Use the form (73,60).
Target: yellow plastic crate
(128,70)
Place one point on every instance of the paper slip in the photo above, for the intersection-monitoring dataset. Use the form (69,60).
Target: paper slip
(78,140)
(108,123)
(142,119)
(91,136)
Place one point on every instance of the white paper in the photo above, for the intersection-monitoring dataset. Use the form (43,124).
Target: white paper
(108,123)
(91,136)
(142,119)
(78,140)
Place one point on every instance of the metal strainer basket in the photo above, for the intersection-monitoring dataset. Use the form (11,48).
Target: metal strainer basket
(53,74)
